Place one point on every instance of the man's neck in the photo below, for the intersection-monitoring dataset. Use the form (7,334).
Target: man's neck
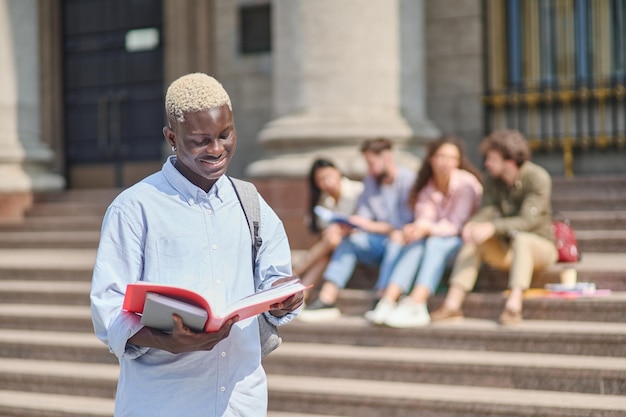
(510,175)
(390,177)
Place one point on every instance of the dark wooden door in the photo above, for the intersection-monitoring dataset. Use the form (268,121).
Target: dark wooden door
(113,85)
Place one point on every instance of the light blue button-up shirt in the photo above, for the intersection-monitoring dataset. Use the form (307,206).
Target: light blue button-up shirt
(165,229)
(391,206)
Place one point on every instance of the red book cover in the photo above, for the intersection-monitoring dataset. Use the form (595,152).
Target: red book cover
(249,306)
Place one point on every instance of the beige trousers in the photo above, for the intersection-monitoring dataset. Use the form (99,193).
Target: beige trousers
(523,255)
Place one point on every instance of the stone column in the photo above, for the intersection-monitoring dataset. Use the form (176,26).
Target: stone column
(337,80)
(24,158)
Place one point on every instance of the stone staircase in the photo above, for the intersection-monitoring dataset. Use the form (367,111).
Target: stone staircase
(567,359)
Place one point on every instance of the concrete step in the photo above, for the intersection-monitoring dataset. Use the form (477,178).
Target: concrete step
(347,367)
(531,336)
(595,220)
(605,184)
(62,318)
(487,306)
(606,270)
(367,398)
(44,292)
(601,240)
(539,305)
(589,240)
(547,372)
(495,280)
(55,223)
(101,195)
(46,275)
(54,346)
(271,413)
(57,377)
(67,208)
(589,201)
(49,239)
(34,404)
(47,264)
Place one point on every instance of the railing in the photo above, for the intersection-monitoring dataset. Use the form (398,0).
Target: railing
(556,70)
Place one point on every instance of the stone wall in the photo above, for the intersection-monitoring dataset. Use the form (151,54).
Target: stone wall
(454,57)
(246,77)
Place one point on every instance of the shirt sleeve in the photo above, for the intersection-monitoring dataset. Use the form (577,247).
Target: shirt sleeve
(363,208)
(488,209)
(536,188)
(118,262)
(274,258)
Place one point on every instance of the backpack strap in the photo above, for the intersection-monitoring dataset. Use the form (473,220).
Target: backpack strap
(248,197)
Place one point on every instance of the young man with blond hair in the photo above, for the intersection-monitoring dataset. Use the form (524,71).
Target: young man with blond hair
(184,226)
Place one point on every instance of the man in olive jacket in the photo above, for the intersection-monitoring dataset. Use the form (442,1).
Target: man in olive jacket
(510,231)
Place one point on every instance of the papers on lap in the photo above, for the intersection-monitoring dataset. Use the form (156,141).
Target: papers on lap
(157,302)
(331,217)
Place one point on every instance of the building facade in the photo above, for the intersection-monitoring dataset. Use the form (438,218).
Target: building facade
(84,84)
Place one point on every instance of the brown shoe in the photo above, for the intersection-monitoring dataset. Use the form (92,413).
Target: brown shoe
(510,317)
(444,313)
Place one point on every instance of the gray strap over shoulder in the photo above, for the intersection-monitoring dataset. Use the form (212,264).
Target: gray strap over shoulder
(249,199)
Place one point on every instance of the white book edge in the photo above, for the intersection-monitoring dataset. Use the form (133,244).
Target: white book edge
(158,310)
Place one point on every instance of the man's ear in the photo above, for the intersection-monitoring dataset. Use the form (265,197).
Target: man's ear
(169,135)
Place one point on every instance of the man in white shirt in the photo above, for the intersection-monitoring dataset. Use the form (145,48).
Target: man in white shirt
(184,226)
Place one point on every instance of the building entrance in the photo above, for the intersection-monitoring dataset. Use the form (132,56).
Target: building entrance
(113,90)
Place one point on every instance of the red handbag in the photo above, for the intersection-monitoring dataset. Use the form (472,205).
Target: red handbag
(565,239)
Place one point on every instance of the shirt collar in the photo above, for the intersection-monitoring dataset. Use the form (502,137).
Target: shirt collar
(189,191)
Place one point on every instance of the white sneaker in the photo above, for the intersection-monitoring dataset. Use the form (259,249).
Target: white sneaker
(318,312)
(408,314)
(379,314)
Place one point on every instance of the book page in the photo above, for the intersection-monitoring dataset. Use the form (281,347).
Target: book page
(267,297)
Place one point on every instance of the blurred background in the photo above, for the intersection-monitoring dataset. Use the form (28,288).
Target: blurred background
(83,83)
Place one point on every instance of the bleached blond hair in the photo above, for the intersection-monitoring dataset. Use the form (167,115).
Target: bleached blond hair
(192,93)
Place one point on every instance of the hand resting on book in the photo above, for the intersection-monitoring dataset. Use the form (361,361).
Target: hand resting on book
(290,304)
(179,337)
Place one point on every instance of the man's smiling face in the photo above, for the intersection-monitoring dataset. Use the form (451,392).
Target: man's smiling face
(205,143)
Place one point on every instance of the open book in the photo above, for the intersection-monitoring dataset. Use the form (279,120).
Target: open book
(330,216)
(157,302)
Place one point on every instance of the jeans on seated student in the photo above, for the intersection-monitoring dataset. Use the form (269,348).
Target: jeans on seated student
(420,265)
(367,248)
(382,209)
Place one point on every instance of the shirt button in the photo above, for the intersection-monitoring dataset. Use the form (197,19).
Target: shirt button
(209,212)
(190,201)
(223,354)
(218,282)
(214,247)
(222,389)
